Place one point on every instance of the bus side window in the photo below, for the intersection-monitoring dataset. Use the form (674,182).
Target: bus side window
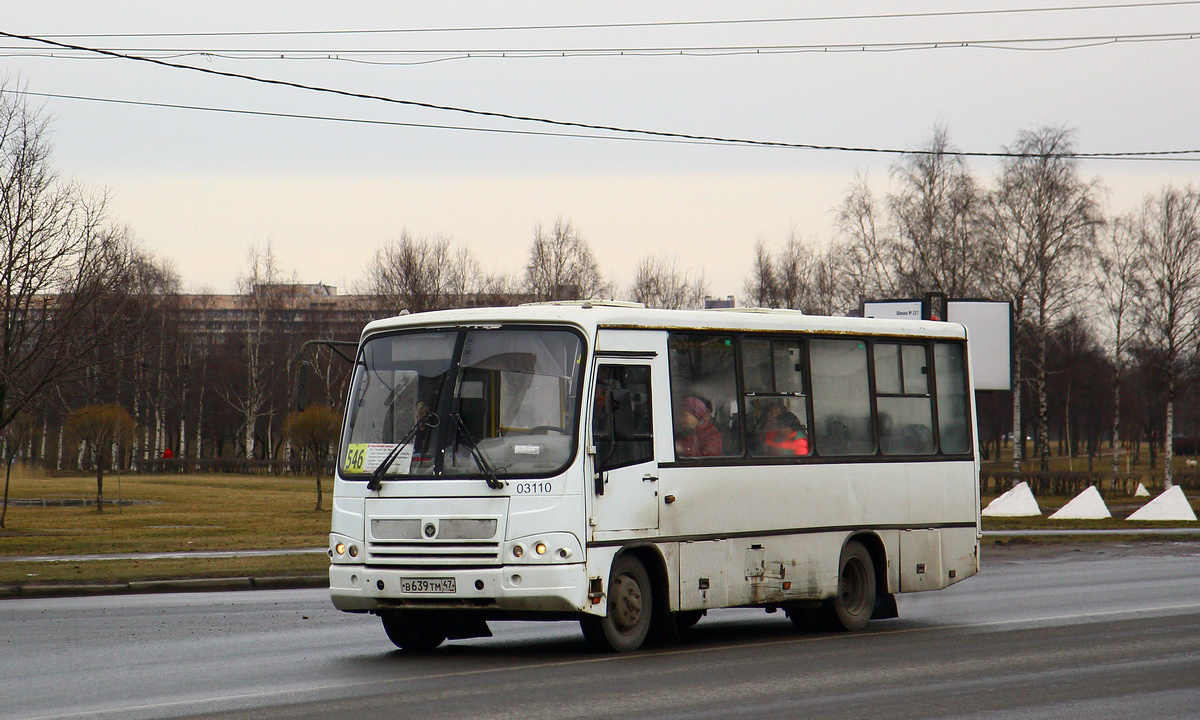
(953,416)
(622,429)
(841,399)
(777,411)
(704,396)
(903,400)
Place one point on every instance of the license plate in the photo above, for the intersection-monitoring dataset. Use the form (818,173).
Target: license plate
(427,585)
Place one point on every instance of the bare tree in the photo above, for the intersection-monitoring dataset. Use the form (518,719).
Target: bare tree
(798,276)
(659,283)
(794,266)
(934,213)
(143,385)
(760,284)
(15,434)
(864,248)
(194,361)
(262,296)
(65,271)
(927,238)
(1041,218)
(499,289)
(830,293)
(562,266)
(421,274)
(1169,304)
(1116,289)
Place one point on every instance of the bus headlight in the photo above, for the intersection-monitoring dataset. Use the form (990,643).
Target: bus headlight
(343,550)
(544,549)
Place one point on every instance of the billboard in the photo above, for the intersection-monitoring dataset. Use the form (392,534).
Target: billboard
(989,328)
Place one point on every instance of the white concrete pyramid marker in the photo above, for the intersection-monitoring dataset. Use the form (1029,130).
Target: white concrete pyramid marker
(1017,502)
(1171,505)
(1087,505)
(1141,491)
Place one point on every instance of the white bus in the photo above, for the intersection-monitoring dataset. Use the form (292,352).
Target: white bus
(631,469)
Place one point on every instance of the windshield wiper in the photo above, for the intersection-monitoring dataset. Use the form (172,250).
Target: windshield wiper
(493,482)
(429,419)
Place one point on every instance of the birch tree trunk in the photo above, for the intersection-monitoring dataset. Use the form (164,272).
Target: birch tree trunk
(1016,432)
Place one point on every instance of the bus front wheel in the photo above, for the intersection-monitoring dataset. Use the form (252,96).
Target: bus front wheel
(630,609)
(413,631)
(852,607)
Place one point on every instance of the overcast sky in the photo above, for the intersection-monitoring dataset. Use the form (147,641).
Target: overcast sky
(200,188)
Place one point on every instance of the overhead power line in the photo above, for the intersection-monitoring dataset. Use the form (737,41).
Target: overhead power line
(1170,156)
(358,121)
(603,128)
(648,24)
(1035,44)
(1062,42)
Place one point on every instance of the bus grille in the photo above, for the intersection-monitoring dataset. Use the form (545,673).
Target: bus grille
(454,541)
(447,529)
(434,554)
(430,533)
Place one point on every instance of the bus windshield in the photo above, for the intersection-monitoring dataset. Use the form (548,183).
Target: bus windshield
(494,402)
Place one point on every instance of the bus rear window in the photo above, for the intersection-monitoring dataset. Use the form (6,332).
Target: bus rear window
(953,410)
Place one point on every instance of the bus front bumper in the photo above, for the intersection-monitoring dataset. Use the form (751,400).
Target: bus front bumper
(513,588)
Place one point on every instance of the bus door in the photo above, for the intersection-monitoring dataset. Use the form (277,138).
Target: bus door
(624,478)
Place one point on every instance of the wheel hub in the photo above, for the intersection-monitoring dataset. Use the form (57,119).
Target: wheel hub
(626,604)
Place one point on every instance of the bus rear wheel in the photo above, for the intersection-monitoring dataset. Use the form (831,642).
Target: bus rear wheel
(413,631)
(630,609)
(852,607)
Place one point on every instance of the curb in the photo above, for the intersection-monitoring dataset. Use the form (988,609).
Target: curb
(48,590)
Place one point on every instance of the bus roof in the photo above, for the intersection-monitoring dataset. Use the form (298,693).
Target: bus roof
(593,315)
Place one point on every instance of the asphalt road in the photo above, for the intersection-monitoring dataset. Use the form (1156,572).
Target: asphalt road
(1107,631)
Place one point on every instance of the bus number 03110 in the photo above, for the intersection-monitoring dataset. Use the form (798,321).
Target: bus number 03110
(533,488)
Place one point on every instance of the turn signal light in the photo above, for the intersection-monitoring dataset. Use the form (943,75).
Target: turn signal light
(340,548)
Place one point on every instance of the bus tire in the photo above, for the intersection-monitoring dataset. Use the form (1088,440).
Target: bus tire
(413,631)
(851,609)
(630,609)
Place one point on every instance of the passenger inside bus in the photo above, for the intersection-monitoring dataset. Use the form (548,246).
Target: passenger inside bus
(695,433)
(782,432)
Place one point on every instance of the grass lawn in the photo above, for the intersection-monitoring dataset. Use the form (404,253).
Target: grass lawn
(175,513)
(231,512)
